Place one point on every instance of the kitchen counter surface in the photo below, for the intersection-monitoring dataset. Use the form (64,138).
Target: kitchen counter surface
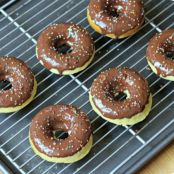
(163,163)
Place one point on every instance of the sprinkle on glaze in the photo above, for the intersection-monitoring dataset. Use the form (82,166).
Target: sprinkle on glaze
(113,81)
(60,117)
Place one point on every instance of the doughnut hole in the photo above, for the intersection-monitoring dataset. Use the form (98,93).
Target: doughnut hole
(60,134)
(114,93)
(62,47)
(113,9)
(169,51)
(120,96)
(58,130)
(5,85)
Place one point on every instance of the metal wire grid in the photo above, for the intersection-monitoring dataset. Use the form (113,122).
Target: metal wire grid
(76,87)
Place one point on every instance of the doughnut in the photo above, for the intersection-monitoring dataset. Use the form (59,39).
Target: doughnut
(115,18)
(55,118)
(65,48)
(160,54)
(22,85)
(121,96)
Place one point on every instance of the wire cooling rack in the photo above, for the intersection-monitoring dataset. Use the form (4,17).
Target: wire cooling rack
(116,149)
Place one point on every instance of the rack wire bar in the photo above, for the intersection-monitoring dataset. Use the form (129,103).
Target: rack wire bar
(7,4)
(10,150)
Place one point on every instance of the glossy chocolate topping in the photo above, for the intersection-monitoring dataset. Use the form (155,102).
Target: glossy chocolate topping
(21,78)
(110,83)
(60,117)
(159,46)
(74,36)
(116,16)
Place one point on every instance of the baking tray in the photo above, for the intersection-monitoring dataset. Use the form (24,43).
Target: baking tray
(116,149)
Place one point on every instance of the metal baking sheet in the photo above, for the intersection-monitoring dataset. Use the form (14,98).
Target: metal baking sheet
(116,149)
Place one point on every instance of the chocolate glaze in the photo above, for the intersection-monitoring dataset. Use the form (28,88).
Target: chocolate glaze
(20,76)
(156,52)
(114,81)
(128,15)
(75,36)
(60,117)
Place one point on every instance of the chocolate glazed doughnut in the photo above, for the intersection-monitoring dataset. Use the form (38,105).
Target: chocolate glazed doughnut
(22,88)
(65,48)
(64,118)
(160,54)
(110,85)
(115,18)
